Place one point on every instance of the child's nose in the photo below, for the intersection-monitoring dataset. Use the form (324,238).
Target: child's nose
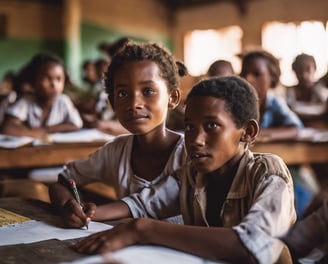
(136,102)
(199,138)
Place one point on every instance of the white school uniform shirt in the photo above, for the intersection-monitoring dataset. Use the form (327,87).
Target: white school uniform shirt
(28,111)
(111,164)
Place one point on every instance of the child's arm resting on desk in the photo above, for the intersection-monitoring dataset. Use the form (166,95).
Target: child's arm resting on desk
(210,243)
(63,199)
(15,127)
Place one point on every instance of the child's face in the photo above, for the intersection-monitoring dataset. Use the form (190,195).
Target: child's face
(305,72)
(257,73)
(211,136)
(90,72)
(141,96)
(50,81)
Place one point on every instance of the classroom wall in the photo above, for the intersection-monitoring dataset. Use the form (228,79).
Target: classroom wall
(30,27)
(258,12)
(33,26)
(74,28)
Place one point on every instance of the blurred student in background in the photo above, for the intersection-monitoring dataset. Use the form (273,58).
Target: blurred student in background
(277,120)
(8,94)
(220,68)
(93,103)
(308,89)
(175,120)
(89,74)
(46,110)
(309,96)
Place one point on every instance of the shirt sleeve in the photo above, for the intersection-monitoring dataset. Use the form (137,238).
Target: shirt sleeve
(159,201)
(285,115)
(269,217)
(91,169)
(72,114)
(19,110)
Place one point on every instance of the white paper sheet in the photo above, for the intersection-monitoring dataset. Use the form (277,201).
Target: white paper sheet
(12,142)
(83,135)
(34,231)
(144,255)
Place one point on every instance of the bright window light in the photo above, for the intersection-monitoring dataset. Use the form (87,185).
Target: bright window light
(309,37)
(202,47)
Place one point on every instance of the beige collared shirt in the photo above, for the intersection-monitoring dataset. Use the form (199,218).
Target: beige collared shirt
(259,205)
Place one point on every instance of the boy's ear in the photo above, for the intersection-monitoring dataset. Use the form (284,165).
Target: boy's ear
(174,98)
(251,131)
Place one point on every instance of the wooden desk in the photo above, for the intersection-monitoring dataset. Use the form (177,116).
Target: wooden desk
(48,251)
(297,152)
(53,251)
(48,155)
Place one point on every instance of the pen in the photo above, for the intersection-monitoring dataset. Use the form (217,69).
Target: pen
(77,196)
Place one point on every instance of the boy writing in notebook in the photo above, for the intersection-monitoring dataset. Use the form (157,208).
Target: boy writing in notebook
(233,201)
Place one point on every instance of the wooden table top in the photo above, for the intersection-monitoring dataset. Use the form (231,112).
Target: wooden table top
(292,152)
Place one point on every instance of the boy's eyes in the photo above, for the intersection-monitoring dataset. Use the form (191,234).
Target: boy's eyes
(188,127)
(122,94)
(256,73)
(209,125)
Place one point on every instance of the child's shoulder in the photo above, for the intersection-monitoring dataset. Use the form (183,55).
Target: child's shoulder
(24,101)
(120,142)
(266,165)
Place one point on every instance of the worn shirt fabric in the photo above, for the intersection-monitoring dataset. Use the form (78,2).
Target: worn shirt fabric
(279,114)
(111,164)
(319,94)
(259,205)
(28,111)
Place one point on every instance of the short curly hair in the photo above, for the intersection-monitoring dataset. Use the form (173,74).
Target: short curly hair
(240,97)
(302,58)
(272,63)
(171,69)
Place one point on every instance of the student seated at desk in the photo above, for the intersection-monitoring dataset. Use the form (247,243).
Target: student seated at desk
(142,82)
(93,105)
(233,201)
(47,110)
(308,97)
(277,120)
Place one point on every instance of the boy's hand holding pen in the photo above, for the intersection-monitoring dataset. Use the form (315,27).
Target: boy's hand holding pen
(78,199)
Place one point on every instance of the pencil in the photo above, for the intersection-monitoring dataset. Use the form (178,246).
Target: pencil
(77,196)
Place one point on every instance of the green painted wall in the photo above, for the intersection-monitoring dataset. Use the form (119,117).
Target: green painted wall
(16,52)
(92,35)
